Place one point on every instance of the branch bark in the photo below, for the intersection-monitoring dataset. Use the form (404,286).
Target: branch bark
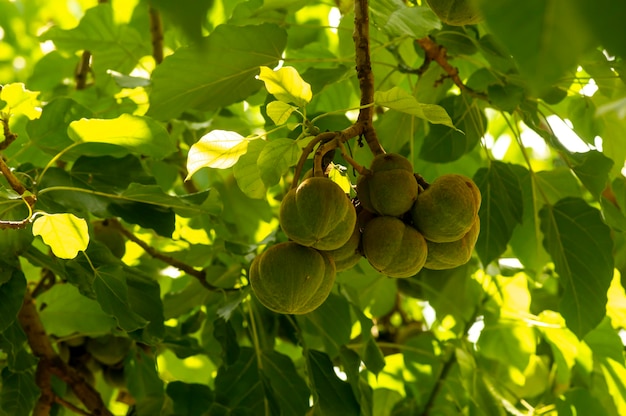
(51,364)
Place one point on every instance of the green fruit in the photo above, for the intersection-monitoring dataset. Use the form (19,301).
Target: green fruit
(347,255)
(289,278)
(443,256)
(447,209)
(394,248)
(318,214)
(114,376)
(109,349)
(390,187)
(456,12)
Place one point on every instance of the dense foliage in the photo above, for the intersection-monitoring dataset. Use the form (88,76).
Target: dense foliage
(147,147)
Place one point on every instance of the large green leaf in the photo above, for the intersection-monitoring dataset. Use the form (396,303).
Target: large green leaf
(139,135)
(331,322)
(334,397)
(187,15)
(219,71)
(18,393)
(12,290)
(500,211)
(580,245)
(549,42)
(67,312)
(593,171)
(190,399)
(112,294)
(113,46)
(444,144)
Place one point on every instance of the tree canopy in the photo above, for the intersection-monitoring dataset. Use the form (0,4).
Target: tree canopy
(147,146)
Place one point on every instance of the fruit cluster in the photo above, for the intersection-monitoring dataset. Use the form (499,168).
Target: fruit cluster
(402,226)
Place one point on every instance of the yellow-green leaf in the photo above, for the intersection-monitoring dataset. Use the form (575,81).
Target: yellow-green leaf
(217,149)
(66,234)
(400,100)
(286,85)
(21,101)
(279,112)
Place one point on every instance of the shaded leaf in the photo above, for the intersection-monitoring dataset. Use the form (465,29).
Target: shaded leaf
(580,245)
(593,169)
(189,399)
(332,395)
(18,393)
(219,71)
(12,290)
(276,158)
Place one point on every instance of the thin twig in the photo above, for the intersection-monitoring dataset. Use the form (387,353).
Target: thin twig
(198,274)
(439,54)
(82,70)
(156,31)
(9,136)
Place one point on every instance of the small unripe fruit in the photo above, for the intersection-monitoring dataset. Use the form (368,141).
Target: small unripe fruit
(390,187)
(318,214)
(394,248)
(290,278)
(347,255)
(443,256)
(447,209)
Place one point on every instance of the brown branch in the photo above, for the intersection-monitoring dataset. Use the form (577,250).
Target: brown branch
(438,53)
(365,75)
(71,406)
(9,136)
(156,31)
(198,274)
(51,363)
(82,70)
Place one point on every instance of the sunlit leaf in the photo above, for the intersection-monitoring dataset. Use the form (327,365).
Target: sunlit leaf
(580,245)
(20,100)
(276,158)
(219,71)
(139,135)
(66,234)
(400,100)
(286,85)
(279,112)
(217,149)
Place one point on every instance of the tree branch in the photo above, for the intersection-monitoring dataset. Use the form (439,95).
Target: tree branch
(198,274)
(437,53)
(50,363)
(156,31)
(365,75)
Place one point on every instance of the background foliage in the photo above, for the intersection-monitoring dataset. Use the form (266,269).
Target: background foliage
(115,231)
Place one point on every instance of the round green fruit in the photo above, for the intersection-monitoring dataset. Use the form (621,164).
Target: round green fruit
(318,214)
(349,254)
(456,12)
(443,256)
(111,238)
(290,278)
(447,209)
(390,187)
(394,248)
(109,349)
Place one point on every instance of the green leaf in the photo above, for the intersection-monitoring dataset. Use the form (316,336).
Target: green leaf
(113,46)
(580,245)
(137,134)
(279,112)
(20,100)
(18,393)
(512,344)
(144,383)
(219,71)
(12,290)
(12,341)
(218,149)
(563,343)
(288,386)
(400,100)
(247,172)
(545,47)
(443,144)
(396,19)
(500,211)
(187,15)
(112,294)
(67,312)
(190,399)
(331,321)
(332,395)
(276,158)
(580,401)
(593,170)
(66,234)
(286,85)
(144,295)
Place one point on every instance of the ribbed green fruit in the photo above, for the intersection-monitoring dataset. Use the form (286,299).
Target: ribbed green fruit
(347,255)
(390,187)
(318,214)
(447,209)
(443,256)
(290,278)
(394,248)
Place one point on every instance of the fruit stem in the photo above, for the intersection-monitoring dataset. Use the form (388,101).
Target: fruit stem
(327,135)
